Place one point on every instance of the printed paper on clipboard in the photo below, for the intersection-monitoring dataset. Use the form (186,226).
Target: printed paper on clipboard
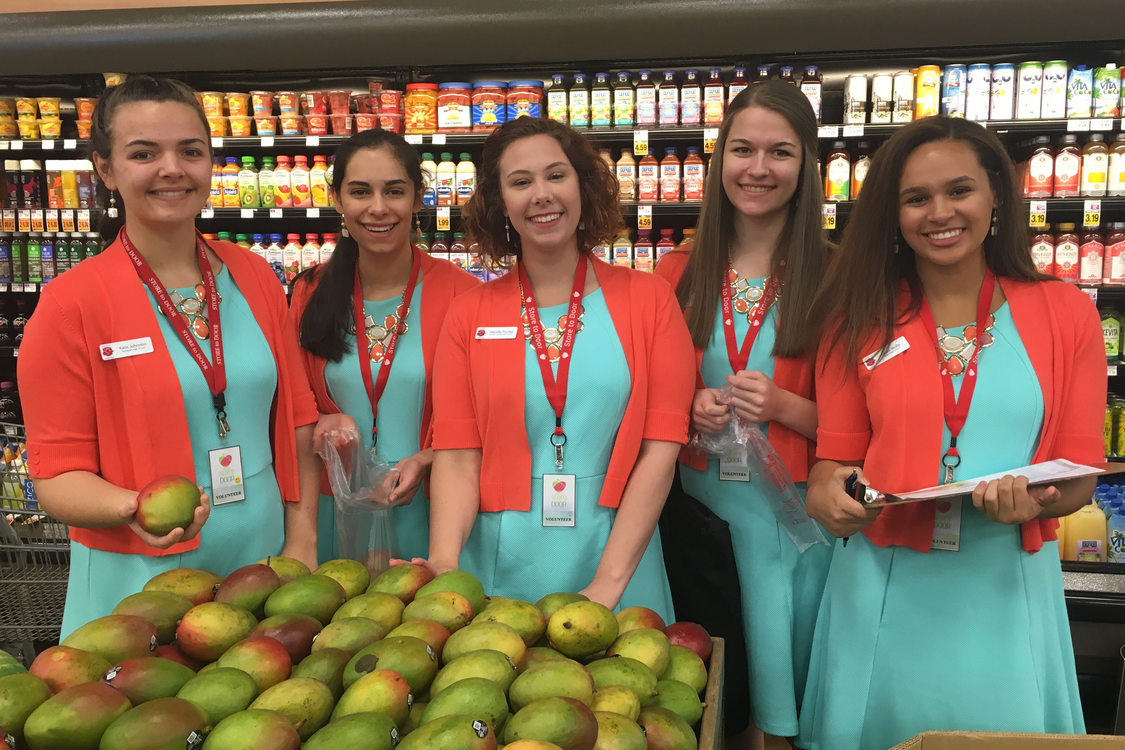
(1037,474)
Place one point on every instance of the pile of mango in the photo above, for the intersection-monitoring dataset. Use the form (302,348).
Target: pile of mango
(275,657)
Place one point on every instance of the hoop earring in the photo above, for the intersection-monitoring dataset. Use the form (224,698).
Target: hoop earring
(993,230)
(111,211)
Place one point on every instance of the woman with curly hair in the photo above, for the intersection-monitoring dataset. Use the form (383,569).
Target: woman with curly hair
(563,388)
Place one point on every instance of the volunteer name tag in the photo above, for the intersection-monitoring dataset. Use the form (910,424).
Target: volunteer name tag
(890,351)
(496,332)
(226,475)
(558,499)
(947,525)
(734,465)
(128,348)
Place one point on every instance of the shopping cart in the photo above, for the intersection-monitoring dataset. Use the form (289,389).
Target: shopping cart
(34,554)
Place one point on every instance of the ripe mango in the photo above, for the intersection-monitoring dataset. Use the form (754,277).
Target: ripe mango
(382,691)
(684,665)
(461,582)
(162,608)
(219,693)
(485,635)
(538,655)
(161,724)
(167,503)
(62,667)
(616,699)
(665,730)
(402,581)
(632,618)
(476,695)
(491,665)
(447,608)
(249,587)
(615,732)
(207,630)
(147,678)
(429,631)
(306,702)
(565,679)
(625,672)
(286,567)
(20,694)
(564,721)
(352,575)
(367,731)
(463,732)
(679,698)
(382,608)
(524,617)
(552,603)
(115,637)
(316,596)
(647,645)
(582,629)
(326,665)
(410,657)
(295,632)
(349,634)
(531,745)
(10,665)
(171,652)
(197,585)
(75,719)
(253,729)
(264,659)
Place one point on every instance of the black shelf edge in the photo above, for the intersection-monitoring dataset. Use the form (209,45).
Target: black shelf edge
(1071,566)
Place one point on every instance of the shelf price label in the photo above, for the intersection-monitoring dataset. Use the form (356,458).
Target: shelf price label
(1111,370)
(9,221)
(1038,214)
(24,222)
(247,213)
(1091,213)
(17,145)
(52,219)
(438,139)
(49,144)
(443,218)
(1092,293)
(66,219)
(414,139)
(312,140)
(70,143)
(84,220)
(710,137)
(267,141)
(276,213)
(644,217)
(37,223)
(640,143)
(828,131)
(312,213)
(829,210)
(207,213)
(1078,126)
(1101,124)
(3,145)
(216,141)
(853,131)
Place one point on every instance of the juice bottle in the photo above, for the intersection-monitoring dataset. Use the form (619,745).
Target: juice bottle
(1116,533)
(670,176)
(1111,333)
(556,99)
(627,176)
(282,183)
(1095,167)
(694,177)
(445,186)
(714,99)
(266,191)
(466,177)
(601,252)
(223,237)
(622,250)
(94,244)
(578,100)
(762,73)
(648,179)
(838,173)
(459,251)
(1113,270)
(643,252)
(77,250)
(601,102)
(1041,170)
(811,87)
(328,246)
(275,256)
(786,75)
(440,246)
(1065,266)
(1116,181)
(624,102)
(1085,537)
(242,240)
(668,98)
(646,100)
(47,255)
(230,183)
(429,180)
(291,257)
(310,252)
(216,199)
(301,187)
(691,100)
(666,242)
(19,258)
(318,181)
(248,184)
(737,84)
(607,158)
(860,167)
(62,257)
(1043,249)
(70,187)
(1091,251)
(34,259)
(328,177)
(1068,168)
(258,247)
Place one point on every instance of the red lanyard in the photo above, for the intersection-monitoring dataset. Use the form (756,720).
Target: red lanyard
(739,357)
(375,390)
(957,409)
(554,386)
(215,370)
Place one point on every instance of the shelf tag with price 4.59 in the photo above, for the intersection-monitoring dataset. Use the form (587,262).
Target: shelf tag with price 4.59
(443,218)
(1038,214)
(829,210)
(644,217)
(710,137)
(640,143)
(1091,213)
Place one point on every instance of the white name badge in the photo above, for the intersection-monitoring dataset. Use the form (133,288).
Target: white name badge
(890,351)
(947,525)
(226,475)
(496,332)
(558,499)
(734,465)
(128,348)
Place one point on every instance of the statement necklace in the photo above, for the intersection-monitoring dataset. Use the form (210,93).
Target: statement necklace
(552,336)
(379,332)
(745,296)
(194,310)
(958,350)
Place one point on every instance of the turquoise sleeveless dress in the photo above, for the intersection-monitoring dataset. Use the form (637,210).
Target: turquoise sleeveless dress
(235,534)
(510,551)
(781,587)
(974,639)
(400,419)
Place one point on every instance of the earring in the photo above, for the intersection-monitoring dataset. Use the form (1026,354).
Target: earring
(582,225)
(894,243)
(417,224)
(507,230)
(344,229)
(111,211)
(992,231)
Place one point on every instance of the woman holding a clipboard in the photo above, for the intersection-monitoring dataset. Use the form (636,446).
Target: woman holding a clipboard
(946,356)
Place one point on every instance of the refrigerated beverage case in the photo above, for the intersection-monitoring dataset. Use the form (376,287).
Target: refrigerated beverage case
(978,91)
(812,87)
(1106,92)
(1002,101)
(578,102)
(1095,167)
(838,172)
(556,99)
(1080,92)
(855,100)
(1068,168)
(668,99)
(953,91)
(903,96)
(647,105)
(601,102)
(1041,169)
(670,176)
(1054,90)
(694,175)
(1029,96)
(927,92)
(691,100)
(624,102)
(714,99)
(627,176)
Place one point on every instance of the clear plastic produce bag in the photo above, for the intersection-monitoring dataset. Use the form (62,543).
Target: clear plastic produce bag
(362,484)
(768,471)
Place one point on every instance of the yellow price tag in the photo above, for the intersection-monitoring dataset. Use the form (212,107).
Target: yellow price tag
(1092,213)
(829,216)
(640,143)
(710,136)
(644,217)
(1038,214)
(443,218)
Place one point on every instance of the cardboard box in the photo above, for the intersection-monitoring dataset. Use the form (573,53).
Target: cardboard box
(711,725)
(1009,741)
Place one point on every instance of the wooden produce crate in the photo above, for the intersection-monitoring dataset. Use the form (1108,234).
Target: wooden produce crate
(711,725)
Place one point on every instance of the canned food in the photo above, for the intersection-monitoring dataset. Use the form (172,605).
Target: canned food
(1029,96)
(978,91)
(882,98)
(1054,90)
(953,83)
(855,100)
(903,97)
(1002,99)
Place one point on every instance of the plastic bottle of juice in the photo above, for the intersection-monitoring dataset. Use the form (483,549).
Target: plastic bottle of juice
(668,95)
(648,179)
(627,176)
(556,99)
(737,83)
(459,251)
(694,177)
(624,102)
(440,246)
(318,181)
(860,168)
(275,256)
(216,199)
(259,246)
(643,251)
(328,177)
(646,100)
(282,182)
(94,244)
(328,246)
(578,100)
(446,184)
(429,180)
(714,99)
(223,237)
(248,184)
(47,255)
(837,181)
(1116,533)
(1086,535)
(301,187)
(691,100)
(242,240)
(670,176)
(466,178)
(601,102)
(291,256)
(665,244)
(622,251)
(230,183)
(266,191)
(310,251)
